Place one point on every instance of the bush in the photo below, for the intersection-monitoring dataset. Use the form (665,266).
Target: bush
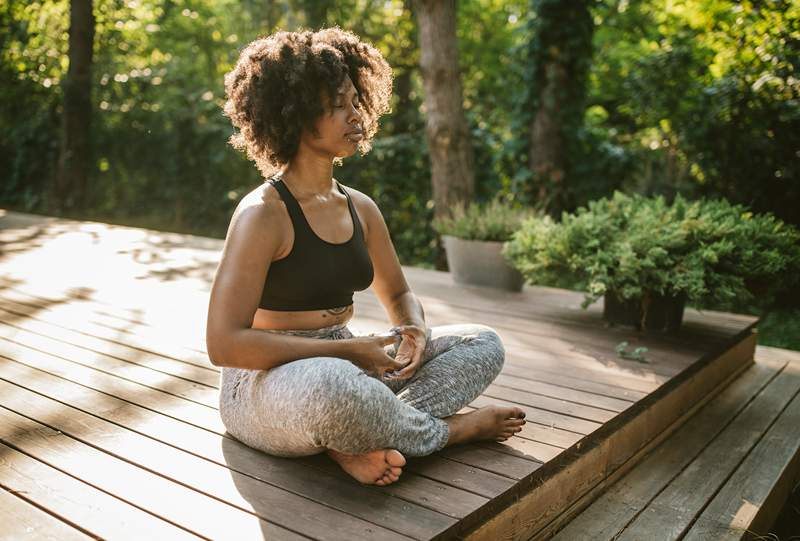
(710,252)
(496,220)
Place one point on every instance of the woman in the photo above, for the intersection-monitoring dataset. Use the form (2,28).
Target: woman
(294,379)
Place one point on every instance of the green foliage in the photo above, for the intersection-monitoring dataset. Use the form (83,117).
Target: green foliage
(780,329)
(703,95)
(394,174)
(636,354)
(496,220)
(698,97)
(710,252)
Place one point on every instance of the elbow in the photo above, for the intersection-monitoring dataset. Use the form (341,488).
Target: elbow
(214,356)
(217,347)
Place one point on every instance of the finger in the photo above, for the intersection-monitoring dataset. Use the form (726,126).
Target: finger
(418,351)
(403,364)
(408,330)
(408,370)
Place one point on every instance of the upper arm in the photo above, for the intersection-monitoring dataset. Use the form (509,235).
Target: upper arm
(252,241)
(388,282)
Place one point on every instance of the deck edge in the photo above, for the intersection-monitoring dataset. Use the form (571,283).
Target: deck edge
(528,509)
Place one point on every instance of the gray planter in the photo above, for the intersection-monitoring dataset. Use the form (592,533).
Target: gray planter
(478,262)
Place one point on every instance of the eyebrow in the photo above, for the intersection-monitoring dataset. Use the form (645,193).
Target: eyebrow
(340,93)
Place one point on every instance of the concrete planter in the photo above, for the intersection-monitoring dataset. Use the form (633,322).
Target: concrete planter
(478,262)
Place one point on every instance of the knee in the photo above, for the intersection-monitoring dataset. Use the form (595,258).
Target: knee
(495,352)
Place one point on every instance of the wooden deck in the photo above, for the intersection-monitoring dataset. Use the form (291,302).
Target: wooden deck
(108,404)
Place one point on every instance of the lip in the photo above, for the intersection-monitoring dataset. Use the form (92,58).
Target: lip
(357,135)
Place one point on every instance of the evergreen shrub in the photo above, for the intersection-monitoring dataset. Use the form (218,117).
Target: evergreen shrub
(712,253)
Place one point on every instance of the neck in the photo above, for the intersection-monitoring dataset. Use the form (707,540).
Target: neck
(309,177)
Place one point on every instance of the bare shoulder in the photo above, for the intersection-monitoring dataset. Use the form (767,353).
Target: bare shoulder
(262,216)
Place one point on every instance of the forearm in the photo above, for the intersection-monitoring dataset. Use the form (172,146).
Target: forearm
(260,350)
(406,310)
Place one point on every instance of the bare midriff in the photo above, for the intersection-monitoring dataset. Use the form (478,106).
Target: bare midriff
(305,319)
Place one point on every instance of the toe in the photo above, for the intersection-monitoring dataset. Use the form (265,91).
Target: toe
(395,458)
(396,471)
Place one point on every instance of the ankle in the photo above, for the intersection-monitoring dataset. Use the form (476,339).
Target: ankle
(459,429)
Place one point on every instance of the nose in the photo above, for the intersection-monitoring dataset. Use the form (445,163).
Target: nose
(355,115)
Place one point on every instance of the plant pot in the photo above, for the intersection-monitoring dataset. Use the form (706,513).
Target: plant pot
(661,313)
(479,262)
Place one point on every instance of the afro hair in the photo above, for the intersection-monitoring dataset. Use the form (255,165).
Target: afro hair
(279,82)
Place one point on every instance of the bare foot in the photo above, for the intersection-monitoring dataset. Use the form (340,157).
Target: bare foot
(380,467)
(493,422)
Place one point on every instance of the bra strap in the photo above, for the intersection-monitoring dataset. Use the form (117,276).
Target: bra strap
(295,212)
(351,207)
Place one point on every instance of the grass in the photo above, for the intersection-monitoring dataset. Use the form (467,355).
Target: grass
(780,328)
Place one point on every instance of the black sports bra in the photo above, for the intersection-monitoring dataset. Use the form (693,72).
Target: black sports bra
(316,274)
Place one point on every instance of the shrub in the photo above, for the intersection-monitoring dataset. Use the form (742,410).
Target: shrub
(496,220)
(712,253)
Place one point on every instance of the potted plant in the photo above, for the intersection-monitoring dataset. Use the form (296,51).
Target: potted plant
(473,238)
(648,258)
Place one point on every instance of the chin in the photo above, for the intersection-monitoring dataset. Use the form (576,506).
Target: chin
(347,153)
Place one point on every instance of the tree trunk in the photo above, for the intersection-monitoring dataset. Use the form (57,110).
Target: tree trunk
(449,141)
(74,162)
(561,49)
(546,153)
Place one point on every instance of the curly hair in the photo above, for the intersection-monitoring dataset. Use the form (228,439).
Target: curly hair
(277,86)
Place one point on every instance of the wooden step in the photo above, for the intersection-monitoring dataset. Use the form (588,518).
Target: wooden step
(723,475)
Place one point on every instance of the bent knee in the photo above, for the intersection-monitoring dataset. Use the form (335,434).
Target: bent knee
(495,353)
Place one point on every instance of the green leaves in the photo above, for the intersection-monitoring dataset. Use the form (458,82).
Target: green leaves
(634,355)
(496,220)
(712,252)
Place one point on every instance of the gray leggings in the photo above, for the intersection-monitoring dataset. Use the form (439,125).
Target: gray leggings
(306,406)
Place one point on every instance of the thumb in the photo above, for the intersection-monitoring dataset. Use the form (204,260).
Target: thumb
(389,337)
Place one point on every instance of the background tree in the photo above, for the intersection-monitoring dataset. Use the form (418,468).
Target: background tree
(559,55)
(74,159)
(452,161)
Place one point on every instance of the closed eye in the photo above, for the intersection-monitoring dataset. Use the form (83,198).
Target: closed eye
(356,104)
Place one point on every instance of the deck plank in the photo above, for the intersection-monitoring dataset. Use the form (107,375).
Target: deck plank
(102,515)
(284,473)
(169,396)
(195,512)
(752,497)
(21,521)
(194,480)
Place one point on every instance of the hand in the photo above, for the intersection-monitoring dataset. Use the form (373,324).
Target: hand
(410,350)
(369,353)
